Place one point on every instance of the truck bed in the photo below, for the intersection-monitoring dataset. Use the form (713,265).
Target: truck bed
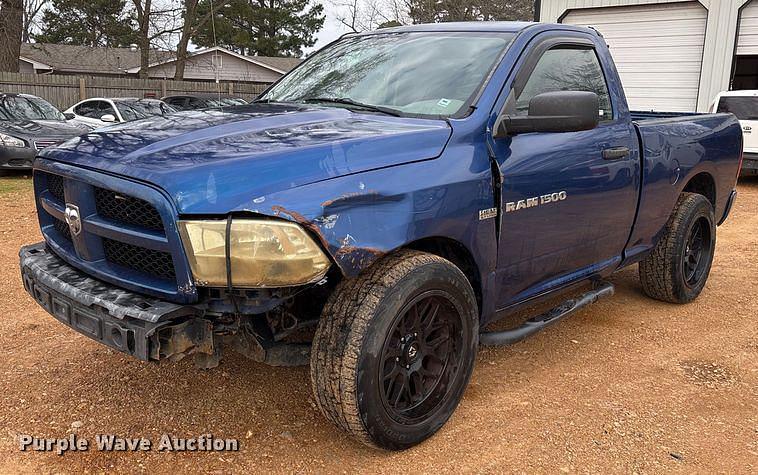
(674,149)
(649,115)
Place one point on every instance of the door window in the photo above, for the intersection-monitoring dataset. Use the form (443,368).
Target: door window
(106,108)
(94,109)
(567,68)
(87,109)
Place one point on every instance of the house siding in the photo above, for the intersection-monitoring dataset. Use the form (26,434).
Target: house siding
(720,36)
(25,67)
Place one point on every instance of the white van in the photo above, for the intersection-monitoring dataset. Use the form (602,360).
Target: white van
(743,104)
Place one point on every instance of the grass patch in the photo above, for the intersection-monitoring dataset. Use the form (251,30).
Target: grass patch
(13,184)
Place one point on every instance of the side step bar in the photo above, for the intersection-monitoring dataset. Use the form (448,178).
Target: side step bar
(535,324)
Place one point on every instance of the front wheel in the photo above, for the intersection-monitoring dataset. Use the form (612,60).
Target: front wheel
(395,349)
(678,267)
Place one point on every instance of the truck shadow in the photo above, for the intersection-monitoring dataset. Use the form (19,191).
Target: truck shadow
(750,182)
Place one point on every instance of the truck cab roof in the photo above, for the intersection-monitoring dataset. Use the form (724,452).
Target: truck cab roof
(479,26)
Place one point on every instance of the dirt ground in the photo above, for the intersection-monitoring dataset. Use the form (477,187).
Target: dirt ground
(628,385)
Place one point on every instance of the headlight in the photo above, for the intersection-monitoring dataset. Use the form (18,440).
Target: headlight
(263,253)
(9,141)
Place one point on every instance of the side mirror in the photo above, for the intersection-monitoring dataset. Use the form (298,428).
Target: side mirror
(108,118)
(561,111)
(69,115)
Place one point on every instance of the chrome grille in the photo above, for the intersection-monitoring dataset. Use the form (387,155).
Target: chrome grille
(40,144)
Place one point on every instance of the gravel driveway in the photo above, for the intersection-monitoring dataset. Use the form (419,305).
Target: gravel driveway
(627,385)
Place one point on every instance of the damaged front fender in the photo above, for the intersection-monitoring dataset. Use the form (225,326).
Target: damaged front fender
(360,218)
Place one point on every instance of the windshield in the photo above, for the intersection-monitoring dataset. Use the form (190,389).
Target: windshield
(140,109)
(744,107)
(436,74)
(17,108)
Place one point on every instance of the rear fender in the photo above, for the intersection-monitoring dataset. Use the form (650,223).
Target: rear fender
(674,151)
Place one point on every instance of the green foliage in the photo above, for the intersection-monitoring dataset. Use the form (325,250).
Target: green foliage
(262,27)
(388,24)
(435,11)
(88,23)
(14,184)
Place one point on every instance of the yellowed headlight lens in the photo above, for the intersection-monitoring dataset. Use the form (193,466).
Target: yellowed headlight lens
(263,253)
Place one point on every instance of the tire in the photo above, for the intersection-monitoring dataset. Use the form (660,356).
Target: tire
(677,269)
(362,335)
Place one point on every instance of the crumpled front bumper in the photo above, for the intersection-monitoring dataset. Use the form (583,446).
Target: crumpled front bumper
(141,326)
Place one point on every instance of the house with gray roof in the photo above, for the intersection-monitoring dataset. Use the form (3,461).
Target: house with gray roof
(210,64)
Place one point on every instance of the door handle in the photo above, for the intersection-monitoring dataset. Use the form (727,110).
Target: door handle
(615,153)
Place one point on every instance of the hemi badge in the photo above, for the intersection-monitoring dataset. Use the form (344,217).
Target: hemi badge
(487,213)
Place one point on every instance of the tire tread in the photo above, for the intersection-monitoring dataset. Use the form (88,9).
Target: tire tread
(657,271)
(339,337)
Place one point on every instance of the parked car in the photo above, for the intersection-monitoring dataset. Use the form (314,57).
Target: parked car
(29,124)
(98,112)
(744,105)
(399,191)
(198,101)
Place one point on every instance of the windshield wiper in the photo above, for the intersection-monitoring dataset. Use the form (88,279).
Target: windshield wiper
(349,102)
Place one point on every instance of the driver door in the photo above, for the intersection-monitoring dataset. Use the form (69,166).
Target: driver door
(568,198)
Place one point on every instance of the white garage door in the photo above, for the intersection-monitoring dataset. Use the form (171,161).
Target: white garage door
(747,41)
(658,51)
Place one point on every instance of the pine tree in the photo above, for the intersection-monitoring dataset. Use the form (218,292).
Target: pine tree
(261,27)
(436,11)
(88,23)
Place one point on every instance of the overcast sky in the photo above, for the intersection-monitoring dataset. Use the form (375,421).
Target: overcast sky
(332,28)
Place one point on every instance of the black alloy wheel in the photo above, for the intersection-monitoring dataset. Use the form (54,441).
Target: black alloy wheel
(696,258)
(420,357)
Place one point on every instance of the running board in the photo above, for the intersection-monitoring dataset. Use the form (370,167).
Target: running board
(535,324)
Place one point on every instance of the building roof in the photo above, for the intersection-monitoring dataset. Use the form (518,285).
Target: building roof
(102,60)
(86,59)
(276,64)
(283,64)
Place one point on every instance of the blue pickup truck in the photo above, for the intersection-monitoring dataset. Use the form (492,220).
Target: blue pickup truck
(375,210)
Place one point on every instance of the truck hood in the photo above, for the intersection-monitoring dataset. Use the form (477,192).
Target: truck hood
(218,161)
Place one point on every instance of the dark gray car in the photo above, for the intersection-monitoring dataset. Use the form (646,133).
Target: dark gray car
(29,124)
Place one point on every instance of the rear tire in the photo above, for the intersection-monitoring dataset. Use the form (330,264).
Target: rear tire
(677,269)
(395,349)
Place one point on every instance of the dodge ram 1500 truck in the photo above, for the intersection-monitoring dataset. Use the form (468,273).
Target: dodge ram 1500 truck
(376,209)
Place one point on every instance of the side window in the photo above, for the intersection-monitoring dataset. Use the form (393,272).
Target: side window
(94,109)
(126,112)
(567,68)
(178,102)
(106,108)
(86,109)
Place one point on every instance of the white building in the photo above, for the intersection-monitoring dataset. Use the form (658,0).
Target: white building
(673,55)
